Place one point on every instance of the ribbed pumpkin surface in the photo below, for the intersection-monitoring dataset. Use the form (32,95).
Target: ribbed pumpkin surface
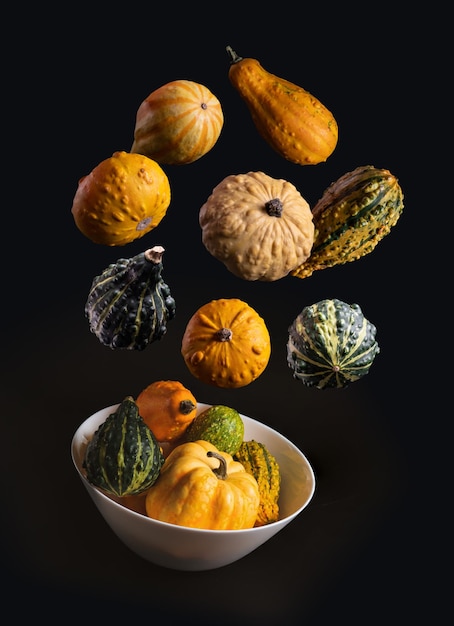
(178,123)
(226,343)
(129,305)
(331,344)
(352,216)
(123,457)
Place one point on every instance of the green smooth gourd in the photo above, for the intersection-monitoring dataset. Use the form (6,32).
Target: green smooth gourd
(220,425)
(129,304)
(331,344)
(123,458)
(354,213)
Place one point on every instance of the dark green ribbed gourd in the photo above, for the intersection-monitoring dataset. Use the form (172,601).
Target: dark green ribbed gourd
(352,216)
(331,344)
(129,304)
(123,458)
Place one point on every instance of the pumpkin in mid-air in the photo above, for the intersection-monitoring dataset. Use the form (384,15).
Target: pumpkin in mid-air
(178,123)
(260,227)
(129,305)
(226,343)
(290,119)
(122,199)
(353,215)
(331,344)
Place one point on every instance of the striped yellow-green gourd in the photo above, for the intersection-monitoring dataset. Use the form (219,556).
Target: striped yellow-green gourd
(129,304)
(352,216)
(331,344)
(123,458)
(258,461)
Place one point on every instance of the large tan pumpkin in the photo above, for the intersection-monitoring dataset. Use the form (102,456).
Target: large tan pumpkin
(260,227)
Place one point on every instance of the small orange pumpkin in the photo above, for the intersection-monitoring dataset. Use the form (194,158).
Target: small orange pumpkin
(167,407)
(226,343)
(178,123)
(122,199)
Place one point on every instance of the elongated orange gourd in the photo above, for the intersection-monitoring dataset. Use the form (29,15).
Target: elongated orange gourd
(290,119)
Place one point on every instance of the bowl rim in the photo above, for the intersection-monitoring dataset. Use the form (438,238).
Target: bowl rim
(76,456)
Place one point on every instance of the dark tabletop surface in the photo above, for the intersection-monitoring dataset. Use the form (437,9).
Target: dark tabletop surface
(362,551)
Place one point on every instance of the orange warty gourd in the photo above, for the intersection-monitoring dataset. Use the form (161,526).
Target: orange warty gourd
(178,123)
(167,407)
(122,199)
(226,343)
(290,119)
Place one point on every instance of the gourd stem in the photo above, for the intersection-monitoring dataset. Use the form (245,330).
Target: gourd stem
(234,57)
(221,471)
(186,407)
(224,334)
(274,207)
(154,255)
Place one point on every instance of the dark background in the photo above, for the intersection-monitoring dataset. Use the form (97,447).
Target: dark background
(365,550)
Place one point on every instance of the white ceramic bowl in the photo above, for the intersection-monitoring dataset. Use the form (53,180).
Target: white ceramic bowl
(190,549)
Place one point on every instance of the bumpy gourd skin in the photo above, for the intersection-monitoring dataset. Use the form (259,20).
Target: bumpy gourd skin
(260,227)
(226,343)
(123,458)
(290,119)
(129,304)
(258,461)
(122,199)
(331,344)
(354,213)
(168,408)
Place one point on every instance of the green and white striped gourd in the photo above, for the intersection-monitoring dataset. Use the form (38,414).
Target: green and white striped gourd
(129,304)
(331,344)
(123,458)
(352,216)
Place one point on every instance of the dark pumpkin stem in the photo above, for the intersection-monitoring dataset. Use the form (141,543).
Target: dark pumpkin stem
(223,334)
(274,207)
(186,407)
(234,58)
(221,471)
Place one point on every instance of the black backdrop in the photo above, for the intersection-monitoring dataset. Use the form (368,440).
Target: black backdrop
(360,552)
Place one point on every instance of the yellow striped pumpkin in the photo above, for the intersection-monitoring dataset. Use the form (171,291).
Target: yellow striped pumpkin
(178,123)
